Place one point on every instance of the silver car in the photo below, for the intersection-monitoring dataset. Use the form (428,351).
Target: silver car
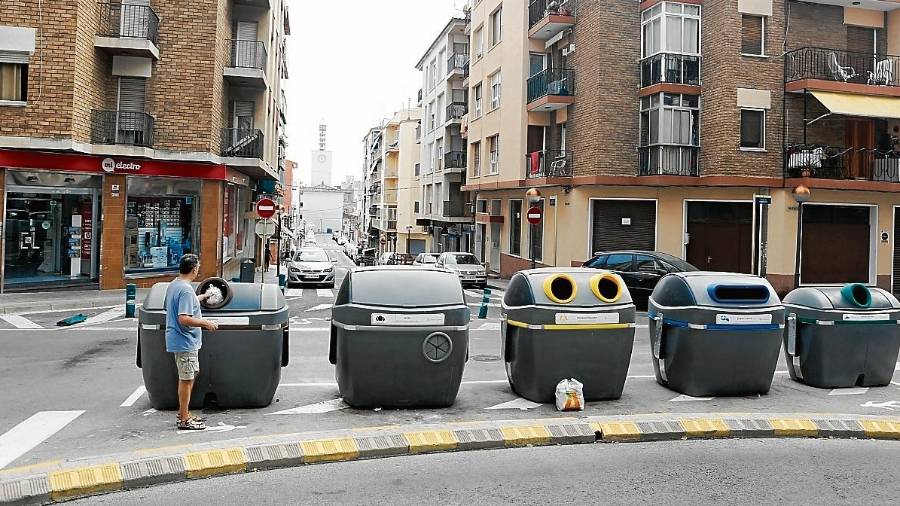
(466,266)
(311,266)
(427,259)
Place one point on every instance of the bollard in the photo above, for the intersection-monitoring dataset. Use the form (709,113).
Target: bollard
(482,312)
(282,281)
(130,295)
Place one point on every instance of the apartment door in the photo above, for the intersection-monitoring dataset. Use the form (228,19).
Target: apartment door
(537,62)
(860,133)
(480,234)
(495,247)
(720,236)
(535,147)
(242,115)
(245,52)
(861,50)
(130,127)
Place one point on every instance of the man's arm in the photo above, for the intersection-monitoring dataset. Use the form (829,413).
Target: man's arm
(187,320)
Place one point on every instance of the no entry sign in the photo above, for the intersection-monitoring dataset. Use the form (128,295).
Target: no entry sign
(265,208)
(535,215)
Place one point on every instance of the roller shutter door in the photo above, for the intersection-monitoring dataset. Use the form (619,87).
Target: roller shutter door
(623,224)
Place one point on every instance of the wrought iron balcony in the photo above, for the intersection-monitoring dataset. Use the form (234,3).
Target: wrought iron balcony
(841,66)
(669,160)
(128,21)
(248,54)
(670,68)
(551,82)
(122,127)
(457,61)
(454,160)
(546,18)
(456,110)
(549,163)
(243,142)
(456,209)
(833,162)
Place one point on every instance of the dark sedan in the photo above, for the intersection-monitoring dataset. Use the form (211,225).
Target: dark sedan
(640,270)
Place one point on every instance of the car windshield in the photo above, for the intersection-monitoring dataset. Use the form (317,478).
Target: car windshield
(428,259)
(311,255)
(465,259)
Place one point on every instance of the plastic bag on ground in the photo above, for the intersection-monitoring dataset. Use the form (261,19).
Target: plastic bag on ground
(570,395)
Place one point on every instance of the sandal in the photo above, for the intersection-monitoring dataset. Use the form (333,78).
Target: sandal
(190,424)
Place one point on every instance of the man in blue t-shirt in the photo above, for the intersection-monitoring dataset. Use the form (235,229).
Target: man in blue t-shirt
(184,335)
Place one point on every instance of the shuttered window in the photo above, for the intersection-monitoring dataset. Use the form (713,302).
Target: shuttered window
(132,91)
(753,29)
(243,114)
(13,82)
(622,225)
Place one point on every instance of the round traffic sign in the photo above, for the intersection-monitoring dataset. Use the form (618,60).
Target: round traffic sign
(265,228)
(535,215)
(265,208)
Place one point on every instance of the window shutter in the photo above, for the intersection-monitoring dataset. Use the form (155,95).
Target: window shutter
(751,34)
(14,57)
(246,31)
(132,91)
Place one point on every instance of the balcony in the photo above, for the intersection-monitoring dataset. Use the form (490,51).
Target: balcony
(458,62)
(124,128)
(242,143)
(248,64)
(127,30)
(835,70)
(455,161)
(457,209)
(670,69)
(669,160)
(547,18)
(456,110)
(549,163)
(840,163)
(551,89)
(390,197)
(255,3)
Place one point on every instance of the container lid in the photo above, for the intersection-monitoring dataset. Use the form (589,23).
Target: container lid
(714,289)
(405,286)
(842,297)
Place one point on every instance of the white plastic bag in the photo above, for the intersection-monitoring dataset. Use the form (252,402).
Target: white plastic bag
(215,295)
(570,395)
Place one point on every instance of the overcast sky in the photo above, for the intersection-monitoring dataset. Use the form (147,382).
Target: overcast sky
(352,63)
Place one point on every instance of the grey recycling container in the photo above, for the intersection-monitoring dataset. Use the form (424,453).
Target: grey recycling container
(715,334)
(567,323)
(842,336)
(248,271)
(240,363)
(399,337)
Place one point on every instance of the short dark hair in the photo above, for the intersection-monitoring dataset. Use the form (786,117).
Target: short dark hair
(188,263)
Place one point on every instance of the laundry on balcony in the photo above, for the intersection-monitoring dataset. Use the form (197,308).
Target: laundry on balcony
(535,163)
(807,158)
(884,73)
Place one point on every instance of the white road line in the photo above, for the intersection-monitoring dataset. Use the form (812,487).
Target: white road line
(320,307)
(848,391)
(489,305)
(23,437)
(317,408)
(688,398)
(324,292)
(137,394)
(315,329)
(520,404)
(293,293)
(104,317)
(897,367)
(19,322)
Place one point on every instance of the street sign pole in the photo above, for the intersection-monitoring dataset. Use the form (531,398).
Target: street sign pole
(535,215)
(278,254)
(533,242)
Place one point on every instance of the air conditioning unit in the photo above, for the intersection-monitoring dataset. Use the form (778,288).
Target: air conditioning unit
(566,51)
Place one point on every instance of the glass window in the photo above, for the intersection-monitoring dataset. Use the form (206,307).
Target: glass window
(477,99)
(599,262)
(495,90)
(311,255)
(476,158)
(494,147)
(753,30)
(619,262)
(670,123)
(478,37)
(14,82)
(675,31)
(462,259)
(753,128)
(644,263)
(496,26)
(162,223)
(515,227)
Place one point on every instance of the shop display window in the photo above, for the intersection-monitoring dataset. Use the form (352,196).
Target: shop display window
(234,221)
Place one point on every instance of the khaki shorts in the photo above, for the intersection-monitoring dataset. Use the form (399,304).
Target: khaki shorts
(188,364)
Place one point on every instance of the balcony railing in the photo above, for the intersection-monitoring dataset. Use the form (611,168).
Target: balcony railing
(455,160)
(456,209)
(248,54)
(670,68)
(549,163)
(128,21)
(457,61)
(832,162)
(122,127)
(456,110)
(552,81)
(842,66)
(669,160)
(242,142)
(390,196)
(539,9)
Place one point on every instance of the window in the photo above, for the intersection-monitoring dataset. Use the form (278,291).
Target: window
(431,117)
(440,109)
(753,35)
(478,40)
(416,207)
(515,227)
(234,225)
(537,236)
(644,263)
(598,263)
(496,26)
(670,28)
(442,57)
(496,205)
(495,90)
(481,206)
(494,148)
(432,71)
(476,159)
(13,82)
(753,129)
(620,263)
(476,98)
(670,118)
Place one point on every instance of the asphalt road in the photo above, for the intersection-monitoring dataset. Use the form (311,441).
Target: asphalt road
(821,472)
(77,392)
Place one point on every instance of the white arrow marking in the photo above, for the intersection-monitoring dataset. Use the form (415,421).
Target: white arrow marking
(222,427)
(317,408)
(520,403)
(137,394)
(848,391)
(888,405)
(320,307)
(688,398)
(23,437)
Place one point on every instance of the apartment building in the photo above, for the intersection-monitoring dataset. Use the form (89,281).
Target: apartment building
(391,158)
(753,146)
(444,209)
(134,131)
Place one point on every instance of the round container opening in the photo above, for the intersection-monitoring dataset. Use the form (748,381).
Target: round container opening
(859,295)
(607,288)
(560,289)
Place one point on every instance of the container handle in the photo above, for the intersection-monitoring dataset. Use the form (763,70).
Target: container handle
(658,336)
(791,347)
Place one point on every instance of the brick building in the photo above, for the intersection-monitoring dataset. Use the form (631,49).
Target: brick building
(656,124)
(134,131)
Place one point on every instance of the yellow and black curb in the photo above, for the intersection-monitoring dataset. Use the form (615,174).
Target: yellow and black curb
(60,481)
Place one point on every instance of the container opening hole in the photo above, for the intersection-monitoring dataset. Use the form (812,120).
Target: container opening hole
(730,293)
(562,288)
(860,295)
(608,288)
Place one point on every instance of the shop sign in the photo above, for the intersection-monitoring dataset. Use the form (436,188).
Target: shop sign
(111,166)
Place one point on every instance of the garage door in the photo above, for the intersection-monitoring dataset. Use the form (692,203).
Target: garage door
(720,236)
(416,246)
(836,244)
(623,224)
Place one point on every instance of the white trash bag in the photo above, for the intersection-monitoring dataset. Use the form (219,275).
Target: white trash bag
(215,295)
(570,395)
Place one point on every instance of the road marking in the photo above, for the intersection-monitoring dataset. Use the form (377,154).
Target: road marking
(293,293)
(520,403)
(897,367)
(317,408)
(848,391)
(137,394)
(222,427)
(324,292)
(104,317)
(484,382)
(489,326)
(317,329)
(23,437)
(688,398)
(489,305)
(641,376)
(480,295)
(888,405)
(149,412)
(19,322)
(312,384)
(320,307)
(895,383)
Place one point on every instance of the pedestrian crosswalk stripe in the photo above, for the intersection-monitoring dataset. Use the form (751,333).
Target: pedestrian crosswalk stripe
(293,292)
(36,429)
(324,292)
(20,322)
(319,307)
(137,394)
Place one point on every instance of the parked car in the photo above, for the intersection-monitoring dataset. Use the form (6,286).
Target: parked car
(311,266)
(367,257)
(400,259)
(640,270)
(351,250)
(426,259)
(466,266)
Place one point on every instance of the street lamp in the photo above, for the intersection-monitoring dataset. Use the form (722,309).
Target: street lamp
(801,195)
(533,196)
(408,236)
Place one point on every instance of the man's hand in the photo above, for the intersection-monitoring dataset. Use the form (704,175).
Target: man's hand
(210,325)
(204,296)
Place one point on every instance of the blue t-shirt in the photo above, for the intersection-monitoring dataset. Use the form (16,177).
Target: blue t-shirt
(181,299)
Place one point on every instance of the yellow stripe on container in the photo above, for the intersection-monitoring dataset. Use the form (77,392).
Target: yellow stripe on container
(571,326)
